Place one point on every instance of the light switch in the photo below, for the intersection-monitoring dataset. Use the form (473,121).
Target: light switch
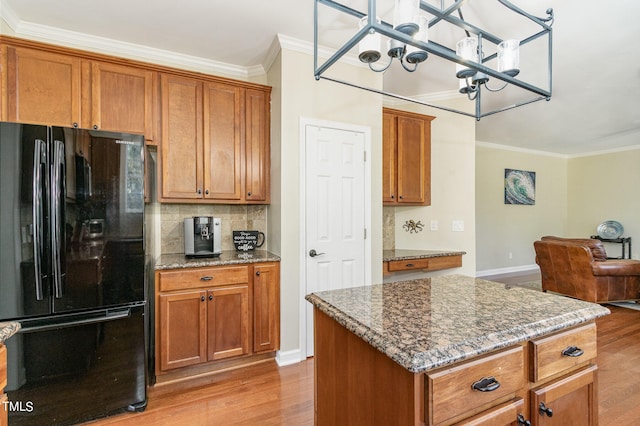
(434,225)
(457,225)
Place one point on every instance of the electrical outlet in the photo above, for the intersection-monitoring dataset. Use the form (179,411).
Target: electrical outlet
(457,225)
(434,225)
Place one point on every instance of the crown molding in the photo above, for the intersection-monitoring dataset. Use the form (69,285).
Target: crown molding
(521,150)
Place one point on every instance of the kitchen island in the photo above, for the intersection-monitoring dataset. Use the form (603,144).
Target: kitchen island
(412,352)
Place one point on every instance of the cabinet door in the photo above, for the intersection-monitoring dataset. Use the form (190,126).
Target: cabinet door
(506,414)
(228,322)
(257,146)
(223,159)
(414,163)
(266,307)
(42,88)
(182,150)
(121,99)
(389,145)
(572,400)
(182,332)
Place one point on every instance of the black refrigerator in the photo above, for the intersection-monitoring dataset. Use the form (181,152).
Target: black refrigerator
(72,272)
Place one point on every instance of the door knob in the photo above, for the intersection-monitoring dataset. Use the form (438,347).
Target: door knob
(314,253)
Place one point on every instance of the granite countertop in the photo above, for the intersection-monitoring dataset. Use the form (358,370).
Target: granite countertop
(8,329)
(227,257)
(430,322)
(391,255)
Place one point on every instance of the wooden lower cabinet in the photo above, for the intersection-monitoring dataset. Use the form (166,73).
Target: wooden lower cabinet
(4,413)
(210,314)
(357,384)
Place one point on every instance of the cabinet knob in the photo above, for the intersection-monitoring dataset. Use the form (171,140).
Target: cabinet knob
(393,196)
(211,297)
(249,194)
(199,191)
(400,197)
(202,298)
(545,410)
(258,273)
(95,127)
(75,125)
(522,421)
(206,191)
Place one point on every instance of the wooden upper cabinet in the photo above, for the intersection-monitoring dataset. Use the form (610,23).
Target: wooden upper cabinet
(217,134)
(223,168)
(42,87)
(121,99)
(407,158)
(257,146)
(182,148)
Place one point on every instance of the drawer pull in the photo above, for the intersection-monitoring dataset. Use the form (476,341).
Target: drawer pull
(409,265)
(202,298)
(486,384)
(572,351)
(545,410)
(207,278)
(522,421)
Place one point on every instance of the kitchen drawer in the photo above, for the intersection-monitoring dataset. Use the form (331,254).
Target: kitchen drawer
(3,367)
(182,279)
(547,352)
(450,392)
(430,264)
(504,414)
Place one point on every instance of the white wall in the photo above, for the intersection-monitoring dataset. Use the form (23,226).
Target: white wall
(605,187)
(505,233)
(297,94)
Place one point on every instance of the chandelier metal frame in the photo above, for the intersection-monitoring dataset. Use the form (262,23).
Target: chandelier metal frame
(439,14)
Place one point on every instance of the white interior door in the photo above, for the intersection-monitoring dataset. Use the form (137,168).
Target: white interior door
(335,213)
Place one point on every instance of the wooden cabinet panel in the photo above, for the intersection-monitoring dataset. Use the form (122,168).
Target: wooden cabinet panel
(266,307)
(227,322)
(503,415)
(257,146)
(547,353)
(406,158)
(4,413)
(572,400)
(42,87)
(182,329)
(389,163)
(223,167)
(121,99)
(182,148)
(3,367)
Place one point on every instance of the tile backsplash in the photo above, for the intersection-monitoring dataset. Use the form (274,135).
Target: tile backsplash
(234,217)
(388,228)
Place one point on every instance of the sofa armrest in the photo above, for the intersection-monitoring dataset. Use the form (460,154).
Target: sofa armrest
(616,267)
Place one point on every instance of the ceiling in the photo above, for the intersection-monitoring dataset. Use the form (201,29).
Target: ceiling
(596,79)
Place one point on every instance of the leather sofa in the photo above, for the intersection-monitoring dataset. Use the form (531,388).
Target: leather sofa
(579,268)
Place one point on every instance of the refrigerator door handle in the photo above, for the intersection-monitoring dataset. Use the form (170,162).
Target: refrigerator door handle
(57,221)
(38,214)
(105,317)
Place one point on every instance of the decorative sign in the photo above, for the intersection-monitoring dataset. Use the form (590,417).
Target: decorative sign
(248,240)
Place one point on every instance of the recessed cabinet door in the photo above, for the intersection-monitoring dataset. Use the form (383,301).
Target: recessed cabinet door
(412,164)
(223,159)
(228,322)
(266,307)
(389,145)
(257,146)
(183,334)
(42,88)
(182,165)
(121,99)
(571,400)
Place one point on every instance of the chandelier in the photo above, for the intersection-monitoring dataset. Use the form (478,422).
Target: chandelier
(479,55)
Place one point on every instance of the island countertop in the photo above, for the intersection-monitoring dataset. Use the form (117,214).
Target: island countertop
(404,254)
(227,257)
(426,323)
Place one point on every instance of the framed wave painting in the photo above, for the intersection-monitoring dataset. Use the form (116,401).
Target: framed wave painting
(519,187)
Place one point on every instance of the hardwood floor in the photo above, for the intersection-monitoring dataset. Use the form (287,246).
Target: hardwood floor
(264,394)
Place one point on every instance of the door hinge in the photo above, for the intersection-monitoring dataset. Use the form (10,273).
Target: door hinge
(365,233)
(365,156)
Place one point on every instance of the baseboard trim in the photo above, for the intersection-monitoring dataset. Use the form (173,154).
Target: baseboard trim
(288,357)
(509,270)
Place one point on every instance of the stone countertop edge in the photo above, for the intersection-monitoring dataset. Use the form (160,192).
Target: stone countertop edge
(8,329)
(453,352)
(227,257)
(393,255)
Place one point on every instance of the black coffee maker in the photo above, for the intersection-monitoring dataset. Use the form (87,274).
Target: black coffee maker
(202,236)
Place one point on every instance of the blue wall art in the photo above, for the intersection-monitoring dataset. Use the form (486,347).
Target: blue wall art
(519,187)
